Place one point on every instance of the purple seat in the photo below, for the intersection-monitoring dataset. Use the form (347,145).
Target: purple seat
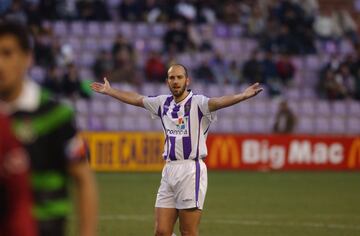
(87,59)
(82,106)
(75,43)
(77,28)
(126,29)
(338,125)
(129,123)
(221,31)
(60,28)
(109,29)
(82,122)
(114,107)
(226,125)
(312,62)
(260,107)
(307,107)
(339,108)
(94,28)
(96,123)
(142,30)
(292,93)
(236,31)
(158,30)
(112,123)
(305,125)
(244,109)
(323,108)
(242,124)
(97,107)
(220,45)
(37,73)
(322,125)
(90,44)
(353,125)
(106,43)
(354,108)
(144,123)
(259,125)
(155,44)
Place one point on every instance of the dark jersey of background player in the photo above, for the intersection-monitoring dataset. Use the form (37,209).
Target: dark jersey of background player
(45,128)
(15,193)
(49,136)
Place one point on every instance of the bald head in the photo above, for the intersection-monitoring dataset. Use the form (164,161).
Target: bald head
(178,68)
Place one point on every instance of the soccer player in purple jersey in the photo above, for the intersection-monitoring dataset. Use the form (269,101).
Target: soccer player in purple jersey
(185,118)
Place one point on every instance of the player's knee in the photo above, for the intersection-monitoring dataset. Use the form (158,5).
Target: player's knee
(186,231)
(162,232)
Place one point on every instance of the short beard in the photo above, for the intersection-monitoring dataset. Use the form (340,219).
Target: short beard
(178,94)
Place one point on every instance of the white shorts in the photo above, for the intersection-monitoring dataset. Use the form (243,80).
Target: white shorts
(183,185)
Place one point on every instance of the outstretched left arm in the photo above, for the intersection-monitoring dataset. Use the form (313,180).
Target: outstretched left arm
(229,100)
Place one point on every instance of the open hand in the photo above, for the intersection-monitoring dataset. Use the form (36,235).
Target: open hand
(252,90)
(101,88)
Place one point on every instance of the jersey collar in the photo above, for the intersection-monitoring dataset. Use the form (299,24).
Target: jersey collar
(186,98)
(29,99)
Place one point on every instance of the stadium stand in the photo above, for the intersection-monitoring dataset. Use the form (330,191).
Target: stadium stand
(323,92)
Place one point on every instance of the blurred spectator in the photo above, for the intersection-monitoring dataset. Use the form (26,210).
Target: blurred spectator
(16,12)
(355,68)
(287,41)
(48,9)
(346,80)
(230,13)
(330,88)
(271,78)
(151,11)
(155,69)
(186,9)
(285,69)
(120,45)
(34,17)
(176,38)
(234,74)
(347,25)
(256,24)
(53,81)
(285,120)
(43,49)
(204,73)
(124,69)
(219,68)
(103,65)
(71,83)
(252,69)
(206,11)
(129,10)
(93,10)
(326,26)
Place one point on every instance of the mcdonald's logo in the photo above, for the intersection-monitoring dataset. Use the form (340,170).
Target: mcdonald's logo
(354,154)
(224,151)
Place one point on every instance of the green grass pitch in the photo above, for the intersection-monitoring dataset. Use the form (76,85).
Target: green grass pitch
(240,203)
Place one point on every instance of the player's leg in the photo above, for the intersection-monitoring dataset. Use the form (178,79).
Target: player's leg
(189,221)
(165,219)
(190,197)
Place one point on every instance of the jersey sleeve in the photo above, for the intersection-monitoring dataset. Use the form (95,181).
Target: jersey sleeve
(203,103)
(153,104)
(74,146)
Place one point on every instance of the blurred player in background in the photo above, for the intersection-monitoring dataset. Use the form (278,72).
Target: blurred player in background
(15,193)
(186,118)
(46,129)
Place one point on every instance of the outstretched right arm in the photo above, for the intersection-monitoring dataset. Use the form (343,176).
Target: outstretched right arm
(131,98)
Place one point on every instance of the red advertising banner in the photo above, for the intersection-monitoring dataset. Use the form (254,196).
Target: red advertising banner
(283,152)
